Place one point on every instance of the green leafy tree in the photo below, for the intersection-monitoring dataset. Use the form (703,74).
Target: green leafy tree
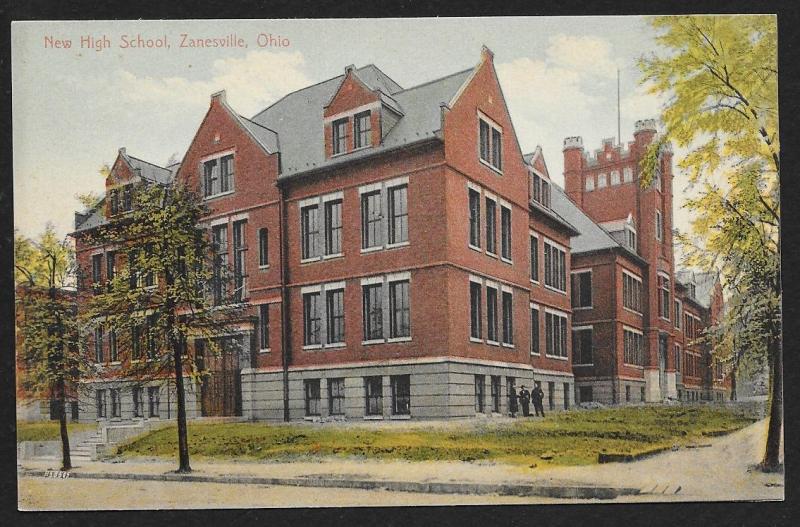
(719,77)
(174,289)
(49,354)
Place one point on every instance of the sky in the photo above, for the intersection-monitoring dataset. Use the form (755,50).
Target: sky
(73,108)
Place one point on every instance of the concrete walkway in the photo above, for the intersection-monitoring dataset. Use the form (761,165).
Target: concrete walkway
(716,470)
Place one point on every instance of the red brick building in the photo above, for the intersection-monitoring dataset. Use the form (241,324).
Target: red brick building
(398,255)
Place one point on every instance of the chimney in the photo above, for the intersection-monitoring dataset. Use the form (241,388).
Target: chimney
(349,68)
(573,168)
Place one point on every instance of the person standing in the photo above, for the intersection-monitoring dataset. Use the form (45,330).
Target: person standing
(537,396)
(525,401)
(512,400)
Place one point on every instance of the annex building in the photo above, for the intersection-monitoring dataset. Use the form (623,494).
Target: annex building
(400,257)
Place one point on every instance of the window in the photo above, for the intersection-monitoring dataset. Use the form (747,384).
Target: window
(633,347)
(551,395)
(627,389)
(151,332)
(401,394)
(312,396)
(475,310)
(153,401)
(582,345)
(333,227)
(627,174)
(641,393)
(505,233)
(566,396)
(136,342)
(585,394)
(336,396)
(149,276)
(581,289)
(541,190)
(399,310)
(100,401)
(226,173)
(631,292)
(239,260)
(491,146)
(362,130)
(98,344)
(309,232)
(663,297)
(495,394)
(339,129)
(555,267)
(263,327)
(589,183)
(659,226)
(508,319)
(480,394)
(111,267)
(491,226)
(335,314)
(534,258)
(116,403)
(311,319)
(373,387)
(138,401)
(97,270)
(127,198)
(371,219)
(534,329)
(491,314)
(263,247)
(474,218)
(219,236)
(678,313)
(398,214)
(373,311)
(112,346)
(601,181)
(677,358)
(114,199)
(556,333)
(217,176)
(615,177)
(692,290)
(630,237)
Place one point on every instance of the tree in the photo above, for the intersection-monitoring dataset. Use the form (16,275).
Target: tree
(719,75)
(173,290)
(51,358)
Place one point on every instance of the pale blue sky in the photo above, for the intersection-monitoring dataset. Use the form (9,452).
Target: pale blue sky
(73,108)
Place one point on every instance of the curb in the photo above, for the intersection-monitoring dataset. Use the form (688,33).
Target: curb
(510,489)
(627,458)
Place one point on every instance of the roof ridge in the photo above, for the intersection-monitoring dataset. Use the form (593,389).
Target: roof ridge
(257,124)
(143,161)
(383,73)
(435,80)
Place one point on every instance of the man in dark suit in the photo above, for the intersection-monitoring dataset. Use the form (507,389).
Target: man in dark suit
(512,400)
(537,396)
(525,401)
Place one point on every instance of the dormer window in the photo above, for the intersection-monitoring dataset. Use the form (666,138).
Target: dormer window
(491,144)
(692,290)
(630,237)
(362,130)
(541,190)
(339,136)
(218,176)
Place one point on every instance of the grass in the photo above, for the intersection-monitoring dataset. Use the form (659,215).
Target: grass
(47,430)
(569,438)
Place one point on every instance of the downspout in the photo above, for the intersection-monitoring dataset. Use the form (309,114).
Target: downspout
(614,350)
(285,340)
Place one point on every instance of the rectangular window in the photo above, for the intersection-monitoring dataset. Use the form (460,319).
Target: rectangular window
(566,396)
(151,332)
(136,342)
(582,346)
(541,190)
(534,258)
(659,226)
(98,345)
(556,333)
(534,330)
(112,346)
(373,387)
(505,233)
(581,289)
(491,226)
(601,181)
(485,140)
(508,319)
(239,260)
(632,292)
(497,149)
(627,393)
(219,236)
(138,401)
(311,319)
(555,268)
(149,276)
(551,395)
(398,214)
(633,348)
(491,314)
(100,401)
(226,173)
(474,218)
(399,310)
(664,303)
(678,313)
(491,144)
(480,394)
(339,136)
(362,130)
(401,394)
(116,403)
(333,227)
(309,232)
(127,198)
(641,393)
(336,396)
(627,174)
(263,327)
(312,396)
(373,311)
(475,310)
(371,220)
(111,267)
(263,247)
(114,197)
(335,313)
(153,401)
(615,177)
(677,358)
(97,270)
(630,238)
(495,394)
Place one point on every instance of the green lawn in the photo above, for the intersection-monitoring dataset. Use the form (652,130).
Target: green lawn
(47,430)
(570,438)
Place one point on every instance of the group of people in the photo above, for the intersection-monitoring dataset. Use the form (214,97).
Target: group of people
(524,399)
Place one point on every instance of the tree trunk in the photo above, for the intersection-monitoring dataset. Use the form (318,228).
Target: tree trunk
(66,461)
(733,384)
(183,442)
(771,461)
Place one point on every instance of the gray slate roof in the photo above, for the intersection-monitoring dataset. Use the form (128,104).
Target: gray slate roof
(297,118)
(704,284)
(265,136)
(148,170)
(592,237)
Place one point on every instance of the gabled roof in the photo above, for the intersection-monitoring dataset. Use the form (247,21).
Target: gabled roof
(147,170)
(297,118)
(592,237)
(704,284)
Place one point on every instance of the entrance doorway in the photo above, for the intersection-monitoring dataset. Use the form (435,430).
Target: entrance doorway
(221,389)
